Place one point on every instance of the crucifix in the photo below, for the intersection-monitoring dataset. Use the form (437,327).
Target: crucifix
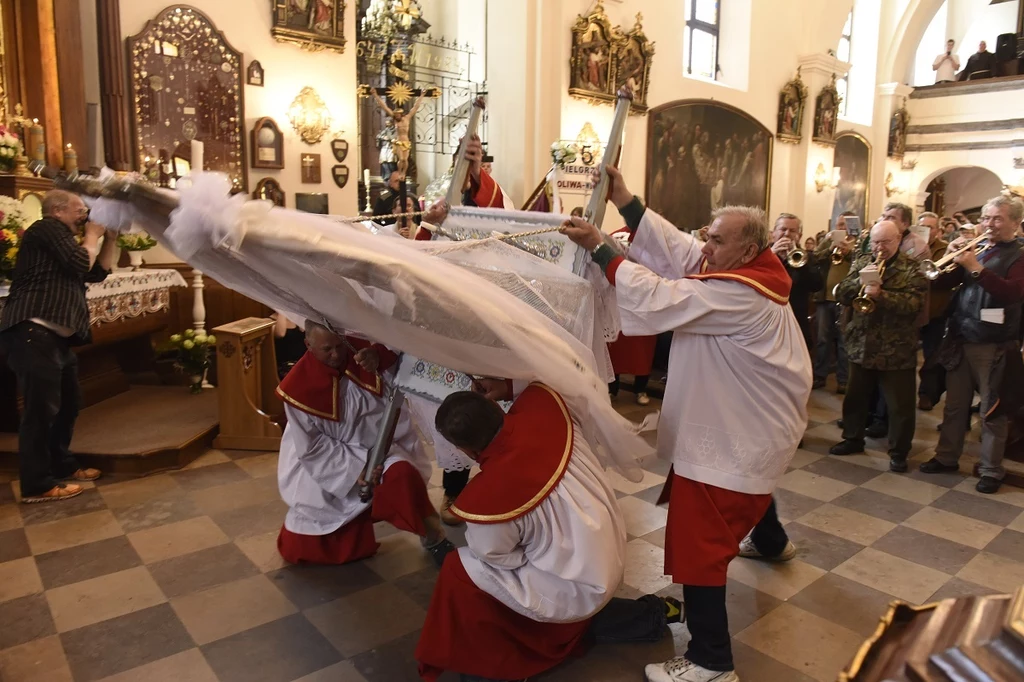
(311,169)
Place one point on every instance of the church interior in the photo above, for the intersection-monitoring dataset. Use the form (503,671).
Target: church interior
(169,566)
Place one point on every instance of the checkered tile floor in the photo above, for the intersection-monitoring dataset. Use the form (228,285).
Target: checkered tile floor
(176,577)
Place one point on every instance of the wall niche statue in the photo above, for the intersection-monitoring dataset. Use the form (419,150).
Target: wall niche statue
(898,131)
(792,103)
(186,81)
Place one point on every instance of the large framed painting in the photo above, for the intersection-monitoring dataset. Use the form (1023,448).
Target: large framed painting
(853,158)
(703,155)
(312,24)
(826,114)
(186,82)
(592,67)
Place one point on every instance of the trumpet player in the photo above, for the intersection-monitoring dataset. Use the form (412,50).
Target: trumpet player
(801,268)
(981,350)
(886,290)
(834,260)
(933,376)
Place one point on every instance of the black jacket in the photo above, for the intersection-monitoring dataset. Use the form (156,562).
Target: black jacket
(49,280)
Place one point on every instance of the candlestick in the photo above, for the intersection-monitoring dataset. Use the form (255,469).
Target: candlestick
(37,143)
(197,156)
(70,159)
(366,184)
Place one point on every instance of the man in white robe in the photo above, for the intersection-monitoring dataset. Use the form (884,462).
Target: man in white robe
(335,403)
(546,545)
(735,404)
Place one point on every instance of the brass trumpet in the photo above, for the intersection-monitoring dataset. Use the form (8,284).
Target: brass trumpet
(837,256)
(797,258)
(932,269)
(863,304)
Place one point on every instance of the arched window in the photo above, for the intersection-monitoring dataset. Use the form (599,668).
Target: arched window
(702,34)
(843,54)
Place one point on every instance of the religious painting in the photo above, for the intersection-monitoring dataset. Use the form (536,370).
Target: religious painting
(313,202)
(267,144)
(269,189)
(632,66)
(792,102)
(186,84)
(310,164)
(898,132)
(254,74)
(853,159)
(703,155)
(314,25)
(826,114)
(594,41)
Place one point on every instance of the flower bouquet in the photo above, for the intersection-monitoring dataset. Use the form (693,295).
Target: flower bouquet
(135,243)
(10,147)
(563,153)
(13,223)
(192,355)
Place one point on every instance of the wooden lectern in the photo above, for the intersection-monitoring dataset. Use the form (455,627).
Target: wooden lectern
(251,414)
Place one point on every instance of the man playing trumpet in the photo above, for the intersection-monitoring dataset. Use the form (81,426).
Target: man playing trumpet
(982,341)
(881,341)
(800,266)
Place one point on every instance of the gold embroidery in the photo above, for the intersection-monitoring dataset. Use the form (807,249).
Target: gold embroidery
(782,300)
(317,413)
(547,486)
(375,389)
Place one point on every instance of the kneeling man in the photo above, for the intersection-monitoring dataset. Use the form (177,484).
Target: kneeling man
(547,545)
(334,402)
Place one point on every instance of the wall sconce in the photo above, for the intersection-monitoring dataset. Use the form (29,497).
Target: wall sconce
(309,116)
(891,187)
(822,180)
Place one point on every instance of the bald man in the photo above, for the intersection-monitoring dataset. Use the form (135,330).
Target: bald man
(881,342)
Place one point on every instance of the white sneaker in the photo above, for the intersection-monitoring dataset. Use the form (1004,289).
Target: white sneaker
(643,399)
(681,670)
(749,551)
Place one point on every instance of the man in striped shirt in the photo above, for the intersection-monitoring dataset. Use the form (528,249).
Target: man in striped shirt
(45,315)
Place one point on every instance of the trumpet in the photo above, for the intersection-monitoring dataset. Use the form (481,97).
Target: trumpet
(797,258)
(837,256)
(864,304)
(932,269)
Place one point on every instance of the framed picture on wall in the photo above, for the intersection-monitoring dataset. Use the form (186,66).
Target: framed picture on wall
(853,158)
(312,24)
(267,144)
(312,202)
(704,155)
(254,74)
(792,103)
(270,190)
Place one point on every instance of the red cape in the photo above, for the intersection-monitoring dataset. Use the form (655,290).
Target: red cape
(524,462)
(765,274)
(312,386)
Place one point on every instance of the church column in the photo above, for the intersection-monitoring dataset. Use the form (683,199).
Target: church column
(795,183)
(114,103)
(890,98)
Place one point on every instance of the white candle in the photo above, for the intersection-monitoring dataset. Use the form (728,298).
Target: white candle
(366,178)
(197,155)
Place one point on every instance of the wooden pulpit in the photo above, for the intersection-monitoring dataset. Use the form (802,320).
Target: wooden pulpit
(251,414)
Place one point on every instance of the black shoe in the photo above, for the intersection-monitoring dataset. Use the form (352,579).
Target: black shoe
(840,389)
(925,404)
(674,611)
(897,463)
(847,447)
(934,466)
(877,430)
(839,423)
(988,485)
(439,551)
(818,383)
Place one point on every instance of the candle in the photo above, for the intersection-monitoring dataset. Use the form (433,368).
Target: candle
(197,156)
(70,159)
(36,142)
(366,178)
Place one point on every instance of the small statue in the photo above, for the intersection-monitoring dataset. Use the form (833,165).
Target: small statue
(386,145)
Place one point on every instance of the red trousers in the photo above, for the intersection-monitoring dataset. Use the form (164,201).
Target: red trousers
(704,530)
(401,499)
(470,632)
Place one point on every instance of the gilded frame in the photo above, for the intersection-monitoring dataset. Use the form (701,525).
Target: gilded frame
(792,107)
(826,114)
(838,205)
(314,37)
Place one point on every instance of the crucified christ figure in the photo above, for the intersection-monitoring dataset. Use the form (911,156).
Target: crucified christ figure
(402,143)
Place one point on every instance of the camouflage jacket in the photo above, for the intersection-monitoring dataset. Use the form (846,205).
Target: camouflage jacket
(885,339)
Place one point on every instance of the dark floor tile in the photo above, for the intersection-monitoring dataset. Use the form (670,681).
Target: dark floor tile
(119,644)
(309,586)
(601,664)
(926,550)
(201,570)
(83,562)
(13,545)
(207,477)
(754,665)
(845,602)
(1009,544)
(957,588)
(392,662)
(284,650)
(656,465)
(170,507)
(254,520)
(24,619)
(418,586)
(89,501)
(792,505)
(7,493)
(842,471)
(879,505)
(983,509)
(651,494)
(821,549)
(947,480)
(366,620)
(746,605)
